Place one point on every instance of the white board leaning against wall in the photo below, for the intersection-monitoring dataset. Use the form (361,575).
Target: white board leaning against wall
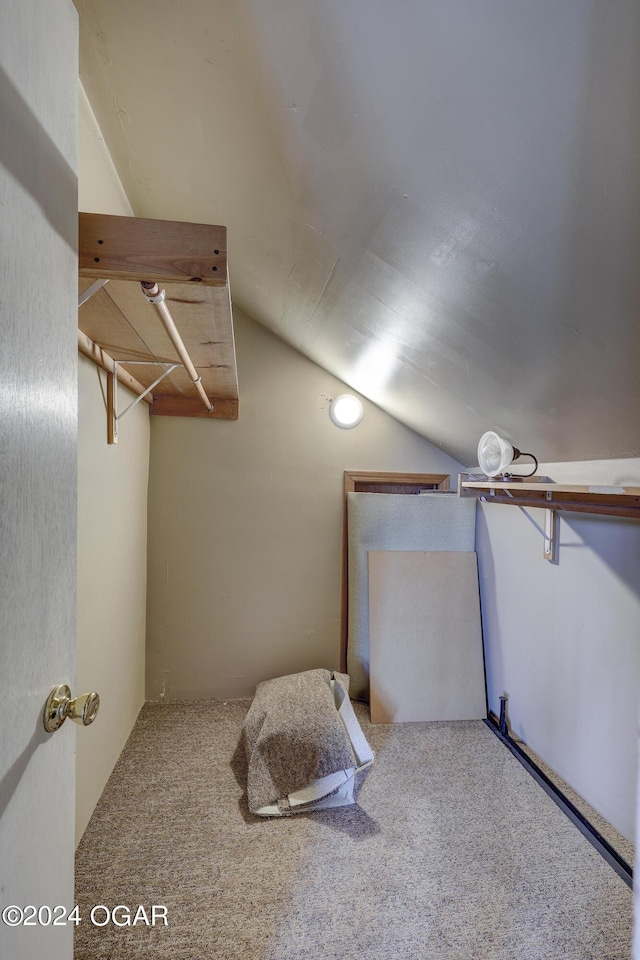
(425,637)
(425,522)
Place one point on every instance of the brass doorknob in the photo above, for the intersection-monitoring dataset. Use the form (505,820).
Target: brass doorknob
(59,706)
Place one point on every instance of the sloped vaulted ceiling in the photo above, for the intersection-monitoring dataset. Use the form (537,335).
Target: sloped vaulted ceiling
(436,200)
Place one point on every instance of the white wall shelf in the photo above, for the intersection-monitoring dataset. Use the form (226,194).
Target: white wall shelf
(608,500)
(612,501)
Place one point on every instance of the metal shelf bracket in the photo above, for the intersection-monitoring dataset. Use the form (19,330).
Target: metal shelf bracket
(89,292)
(112,392)
(549,533)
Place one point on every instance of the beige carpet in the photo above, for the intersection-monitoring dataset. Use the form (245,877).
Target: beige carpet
(454,853)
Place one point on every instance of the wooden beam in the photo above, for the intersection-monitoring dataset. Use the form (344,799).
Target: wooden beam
(112,430)
(102,359)
(192,407)
(131,248)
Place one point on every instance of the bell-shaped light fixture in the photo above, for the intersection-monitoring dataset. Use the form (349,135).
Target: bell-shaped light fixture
(346,411)
(495,454)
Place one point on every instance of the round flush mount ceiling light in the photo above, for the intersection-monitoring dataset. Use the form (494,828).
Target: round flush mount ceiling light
(346,411)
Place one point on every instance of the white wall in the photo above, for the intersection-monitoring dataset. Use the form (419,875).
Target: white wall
(245,525)
(112,531)
(563,640)
(99,189)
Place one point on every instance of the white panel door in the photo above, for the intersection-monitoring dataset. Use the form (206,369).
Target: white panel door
(38,445)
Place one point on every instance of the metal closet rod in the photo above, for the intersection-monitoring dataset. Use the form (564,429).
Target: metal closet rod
(156,297)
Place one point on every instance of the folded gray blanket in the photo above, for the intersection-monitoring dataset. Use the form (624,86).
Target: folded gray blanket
(305,748)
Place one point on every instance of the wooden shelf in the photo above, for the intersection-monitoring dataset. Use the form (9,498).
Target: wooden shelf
(541,492)
(189,261)
(132,248)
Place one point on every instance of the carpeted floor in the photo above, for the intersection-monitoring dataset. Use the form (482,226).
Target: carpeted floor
(453,853)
